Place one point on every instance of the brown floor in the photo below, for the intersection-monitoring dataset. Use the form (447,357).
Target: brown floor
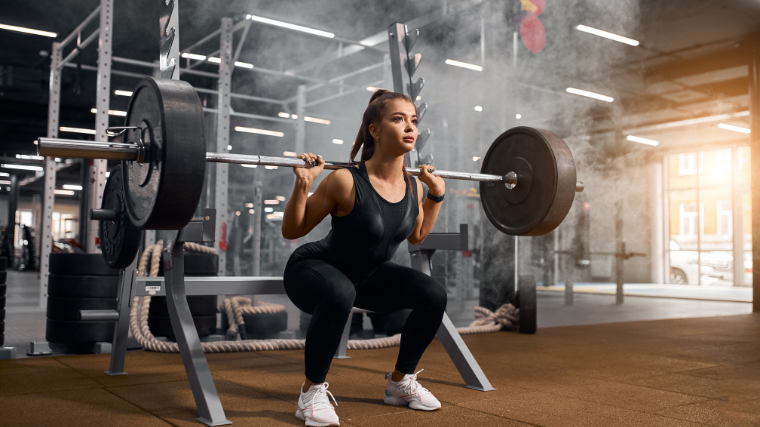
(703,371)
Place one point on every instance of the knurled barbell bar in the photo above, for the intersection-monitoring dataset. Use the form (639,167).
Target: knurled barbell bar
(527,179)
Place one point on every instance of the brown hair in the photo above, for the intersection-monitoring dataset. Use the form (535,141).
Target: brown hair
(372,114)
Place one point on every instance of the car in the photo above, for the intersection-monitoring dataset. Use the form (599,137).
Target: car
(717,267)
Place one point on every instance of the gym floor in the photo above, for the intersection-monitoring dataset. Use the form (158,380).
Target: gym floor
(676,372)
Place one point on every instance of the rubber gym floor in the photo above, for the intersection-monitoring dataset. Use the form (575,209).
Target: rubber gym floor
(675,372)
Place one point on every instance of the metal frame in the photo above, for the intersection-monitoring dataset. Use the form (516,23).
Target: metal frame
(222,140)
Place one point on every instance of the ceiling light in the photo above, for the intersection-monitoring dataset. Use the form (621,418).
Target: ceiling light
(372,88)
(280,198)
(270,167)
(642,140)
(237,213)
(289,153)
(243,64)
(77,130)
(284,115)
(214,59)
(475,159)
(250,211)
(337,141)
(4,174)
(315,120)
(64,192)
(259,131)
(229,147)
(28,157)
(478,108)
(249,205)
(734,128)
(518,116)
(122,92)
(22,167)
(249,166)
(72,187)
(268,209)
(194,56)
(271,202)
(108,174)
(293,116)
(607,35)
(419,97)
(589,94)
(111,112)
(28,31)
(464,65)
(5,182)
(289,26)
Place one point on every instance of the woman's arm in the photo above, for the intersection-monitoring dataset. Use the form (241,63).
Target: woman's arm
(426,218)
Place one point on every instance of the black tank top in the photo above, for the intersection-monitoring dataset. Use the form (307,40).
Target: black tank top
(370,234)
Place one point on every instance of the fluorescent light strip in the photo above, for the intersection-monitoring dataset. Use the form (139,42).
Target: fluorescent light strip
(289,153)
(28,157)
(337,141)
(280,198)
(316,120)
(478,108)
(270,167)
(77,130)
(4,174)
(243,65)
(111,112)
(64,192)
(268,209)
(214,59)
(72,187)
(249,166)
(607,35)
(284,115)
(259,131)
(28,31)
(464,65)
(290,26)
(640,140)
(372,88)
(271,202)
(194,56)
(122,92)
(5,182)
(589,94)
(22,167)
(734,128)
(475,159)
(518,116)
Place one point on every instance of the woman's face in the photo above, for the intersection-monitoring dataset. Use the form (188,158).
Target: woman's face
(396,131)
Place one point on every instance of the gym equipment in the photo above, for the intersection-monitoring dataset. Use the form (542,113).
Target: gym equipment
(83,286)
(119,237)
(3,287)
(80,265)
(528,178)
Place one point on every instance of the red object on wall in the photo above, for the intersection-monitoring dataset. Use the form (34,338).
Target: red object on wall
(223,240)
(466,254)
(533,34)
(469,206)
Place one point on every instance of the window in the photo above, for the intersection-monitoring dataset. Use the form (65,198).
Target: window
(724,217)
(741,154)
(687,163)
(723,160)
(688,219)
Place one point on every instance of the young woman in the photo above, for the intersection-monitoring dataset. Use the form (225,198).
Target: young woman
(374,205)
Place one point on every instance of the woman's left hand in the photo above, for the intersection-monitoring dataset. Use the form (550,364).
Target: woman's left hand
(435,184)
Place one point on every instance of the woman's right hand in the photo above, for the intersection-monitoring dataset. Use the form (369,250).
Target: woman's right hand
(310,172)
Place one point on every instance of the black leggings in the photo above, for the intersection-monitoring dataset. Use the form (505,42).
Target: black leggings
(320,289)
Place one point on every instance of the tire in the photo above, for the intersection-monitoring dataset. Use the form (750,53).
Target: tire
(83,286)
(3,288)
(390,323)
(80,265)
(197,265)
(678,277)
(78,332)
(200,305)
(3,263)
(68,308)
(161,326)
(3,276)
(262,324)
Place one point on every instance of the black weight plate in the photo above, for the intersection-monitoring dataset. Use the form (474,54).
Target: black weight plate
(551,189)
(265,323)
(83,286)
(2,314)
(527,305)
(2,327)
(80,265)
(2,301)
(68,308)
(163,192)
(3,287)
(3,276)
(200,305)
(78,332)
(3,263)
(119,239)
(197,265)
(160,326)
(2,339)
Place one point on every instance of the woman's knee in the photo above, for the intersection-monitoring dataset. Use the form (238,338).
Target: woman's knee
(313,282)
(436,294)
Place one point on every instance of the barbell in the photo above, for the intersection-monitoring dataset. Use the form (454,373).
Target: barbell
(527,179)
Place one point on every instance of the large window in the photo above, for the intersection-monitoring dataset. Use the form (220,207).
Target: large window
(688,219)
(725,212)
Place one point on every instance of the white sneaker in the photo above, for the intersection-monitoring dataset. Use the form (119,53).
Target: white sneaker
(315,408)
(408,392)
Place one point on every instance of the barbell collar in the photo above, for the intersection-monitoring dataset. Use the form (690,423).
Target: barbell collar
(103,214)
(579,187)
(55,147)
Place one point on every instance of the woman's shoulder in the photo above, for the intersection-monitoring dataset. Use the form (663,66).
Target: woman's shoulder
(340,183)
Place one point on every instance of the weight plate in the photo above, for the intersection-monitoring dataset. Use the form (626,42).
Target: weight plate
(545,183)
(120,238)
(83,286)
(3,287)
(2,314)
(3,263)
(3,277)
(161,326)
(200,305)
(68,308)
(80,265)
(259,325)
(64,331)
(163,192)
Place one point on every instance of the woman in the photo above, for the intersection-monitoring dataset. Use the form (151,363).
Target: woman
(374,205)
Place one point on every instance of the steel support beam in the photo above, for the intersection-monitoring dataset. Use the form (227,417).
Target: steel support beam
(258,207)
(754,105)
(737,206)
(300,123)
(223,140)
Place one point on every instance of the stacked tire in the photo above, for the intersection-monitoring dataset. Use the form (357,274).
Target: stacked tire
(79,282)
(3,277)
(202,307)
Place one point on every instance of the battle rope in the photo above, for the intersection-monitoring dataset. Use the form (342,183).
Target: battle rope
(505,318)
